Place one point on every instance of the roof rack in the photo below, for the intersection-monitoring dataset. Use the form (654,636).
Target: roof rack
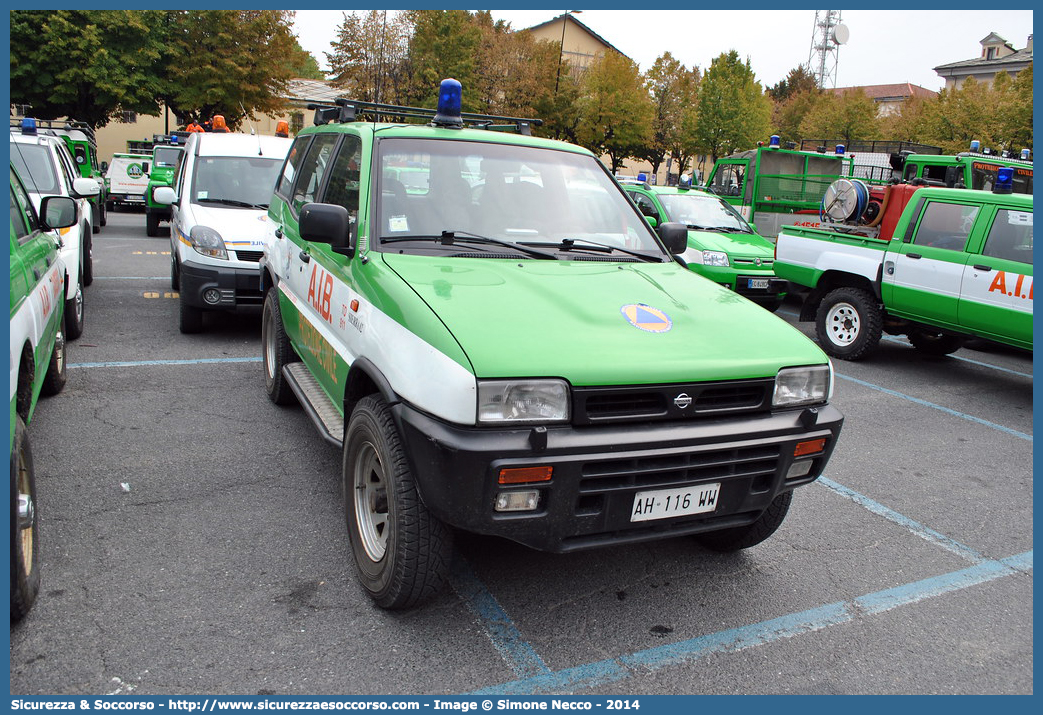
(58,127)
(349,110)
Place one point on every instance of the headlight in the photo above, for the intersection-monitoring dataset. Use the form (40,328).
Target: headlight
(208,242)
(522,401)
(715,258)
(802,386)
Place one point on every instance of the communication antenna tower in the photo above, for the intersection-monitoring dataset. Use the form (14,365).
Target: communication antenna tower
(827,37)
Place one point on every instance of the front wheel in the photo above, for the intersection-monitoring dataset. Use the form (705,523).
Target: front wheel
(88,263)
(74,314)
(25,556)
(849,323)
(151,223)
(402,551)
(743,537)
(935,343)
(54,380)
(175,278)
(277,351)
(190,318)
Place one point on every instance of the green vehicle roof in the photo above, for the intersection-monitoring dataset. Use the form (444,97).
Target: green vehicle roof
(975,196)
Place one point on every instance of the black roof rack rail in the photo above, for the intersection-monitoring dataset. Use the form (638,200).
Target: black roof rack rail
(348,110)
(59,125)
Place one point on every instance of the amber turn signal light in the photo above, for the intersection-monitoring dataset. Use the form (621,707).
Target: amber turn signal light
(813,446)
(521,475)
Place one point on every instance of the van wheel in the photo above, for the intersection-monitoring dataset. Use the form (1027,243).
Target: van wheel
(175,279)
(25,555)
(276,351)
(151,223)
(54,380)
(104,220)
(849,323)
(934,343)
(88,263)
(190,319)
(744,537)
(401,550)
(74,314)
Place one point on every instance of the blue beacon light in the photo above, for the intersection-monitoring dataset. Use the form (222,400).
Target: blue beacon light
(840,150)
(773,142)
(975,146)
(449,104)
(1004,181)
(29,126)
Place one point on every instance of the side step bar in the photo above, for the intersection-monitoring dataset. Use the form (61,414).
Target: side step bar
(320,408)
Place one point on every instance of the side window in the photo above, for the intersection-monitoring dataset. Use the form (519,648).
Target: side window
(728,180)
(289,169)
(343,185)
(1010,237)
(934,173)
(312,170)
(19,229)
(645,204)
(910,171)
(23,217)
(945,225)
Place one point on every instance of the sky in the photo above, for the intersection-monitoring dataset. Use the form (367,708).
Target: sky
(885,46)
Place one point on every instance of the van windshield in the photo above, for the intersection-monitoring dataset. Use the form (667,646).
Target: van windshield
(703,211)
(237,181)
(565,205)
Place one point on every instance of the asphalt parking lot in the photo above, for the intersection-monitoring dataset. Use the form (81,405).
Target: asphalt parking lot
(193,542)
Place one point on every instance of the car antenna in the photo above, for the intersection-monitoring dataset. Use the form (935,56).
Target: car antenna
(253,131)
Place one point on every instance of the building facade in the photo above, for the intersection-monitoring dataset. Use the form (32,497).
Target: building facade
(997,55)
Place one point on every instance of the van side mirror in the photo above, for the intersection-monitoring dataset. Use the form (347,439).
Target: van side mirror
(58,211)
(674,236)
(652,221)
(327,223)
(164,195)
(144,167)
(104,166)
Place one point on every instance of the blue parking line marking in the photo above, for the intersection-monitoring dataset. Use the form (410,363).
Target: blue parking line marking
(140,363)
(891,515)
(735,639)
(498,626)
(947,410)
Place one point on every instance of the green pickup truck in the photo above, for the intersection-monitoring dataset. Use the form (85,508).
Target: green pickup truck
(957,264)
(509,348)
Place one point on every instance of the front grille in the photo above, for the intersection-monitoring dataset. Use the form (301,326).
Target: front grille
(693,467)
(762,262)
(600,405)
(253,256)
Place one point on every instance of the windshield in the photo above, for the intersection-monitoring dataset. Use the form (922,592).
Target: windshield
(698,210)
(504,196)
(166,157)
(234,180)
(983,176)
(34,164)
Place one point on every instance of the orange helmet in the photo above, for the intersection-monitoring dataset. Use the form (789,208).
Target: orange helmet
(218,124)
(282,129)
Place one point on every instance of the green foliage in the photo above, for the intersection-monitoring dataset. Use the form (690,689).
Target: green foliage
(88,65)
(615,111)
(369,56)
(797,81)
(445,44)
(673,89)
(733,112)
(850,116)
(230,62)
(788,114)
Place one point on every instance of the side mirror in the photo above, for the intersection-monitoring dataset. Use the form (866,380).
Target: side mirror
(164,195)
(86,187)
(58,211)
(144,167)
(327,223)
(104,166)
(674,236)
(652,221)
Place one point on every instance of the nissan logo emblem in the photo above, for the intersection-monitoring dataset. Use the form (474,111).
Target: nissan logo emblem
(683,400)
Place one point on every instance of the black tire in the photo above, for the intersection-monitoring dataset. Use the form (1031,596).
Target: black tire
(104,220)
(74,311)
(849,323)
(175,277)
(743,537)
(402,552)
(151,223)
(25,552)
(772,305)
(276,351)
(190,318)
(934,343)
(57,373)
(88,261)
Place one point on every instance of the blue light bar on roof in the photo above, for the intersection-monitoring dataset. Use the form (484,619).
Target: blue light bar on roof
(1004,181)
(450,99)
(29,126)
(773,142)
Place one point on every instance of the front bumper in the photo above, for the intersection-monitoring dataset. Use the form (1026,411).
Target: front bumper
(598,470)
(234,286)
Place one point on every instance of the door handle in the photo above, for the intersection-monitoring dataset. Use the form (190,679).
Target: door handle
(917,256)
(980,267)
(305,257)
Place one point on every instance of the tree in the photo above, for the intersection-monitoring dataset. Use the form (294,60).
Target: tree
(672,90)
(445,44)
(615,111)
(368,56)
(304,65)
(88,65)
(789,114)
(230,62)
(796,81)
(515,73)
(957,116)
(849,117)
(733,111)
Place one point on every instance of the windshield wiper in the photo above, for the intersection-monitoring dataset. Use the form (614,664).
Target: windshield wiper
(448,238)
(233,202)
(728,229)
(569,244)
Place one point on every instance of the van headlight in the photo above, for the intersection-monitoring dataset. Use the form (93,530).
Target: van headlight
(707,258)
(208,242)
(796,386)
(522,401)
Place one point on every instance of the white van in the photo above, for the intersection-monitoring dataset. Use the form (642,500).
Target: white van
(219,203)
(125,180)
